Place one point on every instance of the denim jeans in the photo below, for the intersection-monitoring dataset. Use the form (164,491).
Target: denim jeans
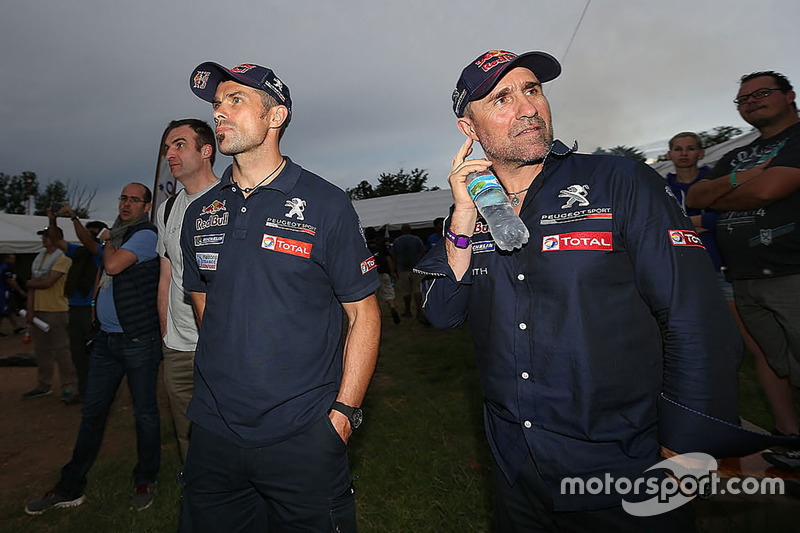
(115,355)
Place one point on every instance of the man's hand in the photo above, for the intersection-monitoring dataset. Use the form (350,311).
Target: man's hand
(458,176)
(104,235)
(342,425)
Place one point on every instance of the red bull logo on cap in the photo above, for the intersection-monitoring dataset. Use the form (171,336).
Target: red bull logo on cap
(241,69)
(492,58)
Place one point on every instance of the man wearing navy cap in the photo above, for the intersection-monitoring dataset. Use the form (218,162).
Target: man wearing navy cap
(567,329)
(273,255)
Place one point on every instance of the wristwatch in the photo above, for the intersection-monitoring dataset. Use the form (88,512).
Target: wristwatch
(354,414)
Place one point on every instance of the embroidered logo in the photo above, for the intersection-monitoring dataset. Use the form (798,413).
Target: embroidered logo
(296,207)
(684,237)
(482,247)
(241,69)
(596,213)
(368,264)
(579,240)
(206,260)
(215,207)
(210,239)
(200,79)
(492,58)
(291,225)
(574,193)
(286,246)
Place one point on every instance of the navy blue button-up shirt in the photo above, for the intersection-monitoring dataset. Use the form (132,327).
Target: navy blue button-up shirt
(567,330)
(275,267)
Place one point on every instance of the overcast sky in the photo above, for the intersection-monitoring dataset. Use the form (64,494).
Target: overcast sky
(89,85)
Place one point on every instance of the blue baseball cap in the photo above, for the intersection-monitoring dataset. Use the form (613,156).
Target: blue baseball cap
(479,77)
(208,75)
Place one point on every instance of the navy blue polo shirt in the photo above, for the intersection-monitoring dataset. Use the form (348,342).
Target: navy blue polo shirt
(275,268)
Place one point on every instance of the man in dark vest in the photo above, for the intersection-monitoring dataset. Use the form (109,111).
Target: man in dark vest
(128,343)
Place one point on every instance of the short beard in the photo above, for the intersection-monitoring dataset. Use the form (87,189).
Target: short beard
(510,154)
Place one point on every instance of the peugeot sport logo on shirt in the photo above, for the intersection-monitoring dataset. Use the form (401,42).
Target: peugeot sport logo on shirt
(296,207)
(579,240)
(574,193)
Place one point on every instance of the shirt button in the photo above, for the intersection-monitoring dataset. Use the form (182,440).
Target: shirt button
(233,189)
(521,277)
(527,424)
(523,326)
(244,210)
(525,375)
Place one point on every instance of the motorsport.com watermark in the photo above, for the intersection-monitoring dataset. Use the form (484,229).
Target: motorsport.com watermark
(691,475)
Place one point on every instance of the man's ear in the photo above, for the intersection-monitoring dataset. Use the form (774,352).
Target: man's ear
(277,116)
(467,128)
(206,151)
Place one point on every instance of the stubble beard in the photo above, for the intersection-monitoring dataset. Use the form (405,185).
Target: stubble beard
(509,150)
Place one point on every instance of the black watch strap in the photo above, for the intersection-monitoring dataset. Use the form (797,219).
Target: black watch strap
(354,414)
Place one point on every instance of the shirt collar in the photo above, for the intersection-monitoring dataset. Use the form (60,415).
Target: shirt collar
(283,182)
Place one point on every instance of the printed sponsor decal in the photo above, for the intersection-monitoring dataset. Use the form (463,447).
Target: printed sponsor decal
(206,260)
(291,225)
(684,237)
(200,79)
(482,247)
(574,193)
(213,208)
(209,240)
(368,264)
(241,69)
(492,58)
(597,213)
(481,227)
(286,246)
(579,240)
(213,220)
(296,207)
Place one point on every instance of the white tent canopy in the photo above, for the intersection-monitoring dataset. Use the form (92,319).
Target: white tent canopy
(418,209)
(18,233)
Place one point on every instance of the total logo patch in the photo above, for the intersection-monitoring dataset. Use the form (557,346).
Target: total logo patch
(579,240)
(286,246)
(368,264)
(206,260)
(685,237)
(209,240)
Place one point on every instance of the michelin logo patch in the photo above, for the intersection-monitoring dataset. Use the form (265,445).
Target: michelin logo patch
(206,260)
(685,237)
(286,246)
(209,240)
(579,240)
(482,247)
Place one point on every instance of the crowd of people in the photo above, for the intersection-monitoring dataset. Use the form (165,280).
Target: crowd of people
(261,295)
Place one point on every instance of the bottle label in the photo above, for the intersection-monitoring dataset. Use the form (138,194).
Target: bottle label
(482,183)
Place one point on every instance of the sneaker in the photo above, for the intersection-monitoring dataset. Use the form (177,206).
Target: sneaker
(784,460)
(395,316)
(52,500)
(37,392)
(143,496)
(70,398)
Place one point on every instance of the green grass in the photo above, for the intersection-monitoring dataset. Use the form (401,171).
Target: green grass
(421,459)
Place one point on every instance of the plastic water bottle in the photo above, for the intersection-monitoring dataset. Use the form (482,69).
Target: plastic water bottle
(506,227)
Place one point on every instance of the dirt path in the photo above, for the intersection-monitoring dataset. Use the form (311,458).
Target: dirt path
(37,436)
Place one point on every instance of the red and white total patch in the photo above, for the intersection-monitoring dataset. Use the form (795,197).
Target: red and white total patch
(368,264)
(685,237)
(579,240)
(286,246)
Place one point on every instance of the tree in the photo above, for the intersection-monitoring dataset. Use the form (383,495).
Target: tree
(55,192)
(623,151)
(388,184)
(718,135)
(14,192)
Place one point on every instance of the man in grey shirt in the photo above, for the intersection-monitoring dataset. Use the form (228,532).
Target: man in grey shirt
(190,151)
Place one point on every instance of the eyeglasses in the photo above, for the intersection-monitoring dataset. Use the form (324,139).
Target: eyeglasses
(755,95)
(131,199)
